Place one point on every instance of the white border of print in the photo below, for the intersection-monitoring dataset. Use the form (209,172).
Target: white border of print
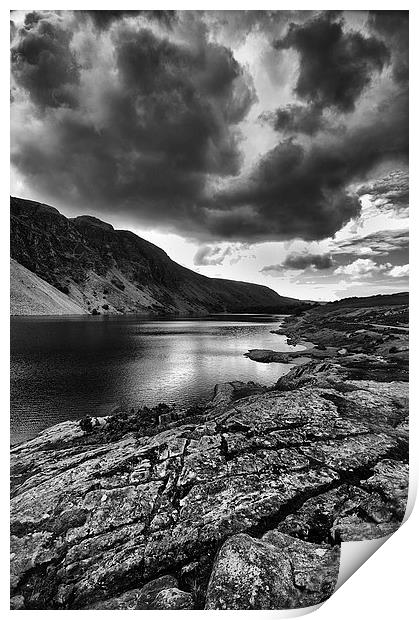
(384,587)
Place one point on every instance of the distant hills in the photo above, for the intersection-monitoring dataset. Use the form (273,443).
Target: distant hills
(390,299)
(377,310)
(83,265)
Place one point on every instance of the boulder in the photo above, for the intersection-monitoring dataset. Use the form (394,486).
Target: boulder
(140,598)
(276,572)
(173,598)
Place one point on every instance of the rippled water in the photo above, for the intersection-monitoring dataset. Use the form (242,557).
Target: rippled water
(67,368)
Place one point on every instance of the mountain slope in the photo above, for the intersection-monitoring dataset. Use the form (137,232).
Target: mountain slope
(29,294)
(107,271)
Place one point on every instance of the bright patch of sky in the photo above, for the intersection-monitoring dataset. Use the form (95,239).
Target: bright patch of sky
(246,262)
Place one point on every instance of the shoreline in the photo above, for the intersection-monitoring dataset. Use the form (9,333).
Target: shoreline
(255,482)
(31,412)
(110,316)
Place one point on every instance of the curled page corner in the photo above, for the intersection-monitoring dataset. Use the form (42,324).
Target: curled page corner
(281,613)
(354,554)
(277,613)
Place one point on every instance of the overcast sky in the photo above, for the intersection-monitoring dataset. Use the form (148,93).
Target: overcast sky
(262,146)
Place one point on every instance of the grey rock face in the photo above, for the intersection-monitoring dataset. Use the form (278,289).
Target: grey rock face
(173,598)
(276,572)
(270,476)
(161,593)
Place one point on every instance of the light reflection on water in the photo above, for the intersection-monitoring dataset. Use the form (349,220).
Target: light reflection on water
(67,368)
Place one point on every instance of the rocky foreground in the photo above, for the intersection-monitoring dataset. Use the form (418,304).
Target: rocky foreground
(241,504)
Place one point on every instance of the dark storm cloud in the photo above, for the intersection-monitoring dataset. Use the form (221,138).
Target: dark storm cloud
(142,120)
(300,261)
(301,191)
(391,191)
(184,101)
(103,19)
(42,61)
(295,119)
(393,27)
(381,243)
(335,65)
(151,137)
(292,193)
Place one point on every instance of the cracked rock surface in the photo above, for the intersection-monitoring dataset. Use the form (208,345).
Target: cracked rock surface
(241,504)
(274,572)
(95,519)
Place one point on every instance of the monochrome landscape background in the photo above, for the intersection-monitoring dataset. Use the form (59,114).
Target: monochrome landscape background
(209,304)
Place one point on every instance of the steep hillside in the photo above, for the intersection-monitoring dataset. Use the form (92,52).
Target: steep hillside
(29,294)
(108,271)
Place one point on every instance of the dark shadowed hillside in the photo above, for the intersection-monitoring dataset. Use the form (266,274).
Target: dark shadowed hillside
(107,271)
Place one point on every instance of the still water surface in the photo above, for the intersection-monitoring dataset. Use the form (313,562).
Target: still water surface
(68,367)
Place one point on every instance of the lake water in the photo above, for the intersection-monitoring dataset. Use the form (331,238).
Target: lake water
(68,367)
